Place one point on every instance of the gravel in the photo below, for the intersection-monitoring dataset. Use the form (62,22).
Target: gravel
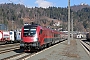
(63,51)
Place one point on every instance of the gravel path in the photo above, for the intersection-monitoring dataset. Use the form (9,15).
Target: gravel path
(62,51)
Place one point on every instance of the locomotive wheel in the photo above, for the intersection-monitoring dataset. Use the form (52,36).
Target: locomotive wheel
(49,44)
(53,42)
(45,45)
(12,42)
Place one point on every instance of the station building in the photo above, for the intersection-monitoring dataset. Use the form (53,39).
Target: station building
(3,27)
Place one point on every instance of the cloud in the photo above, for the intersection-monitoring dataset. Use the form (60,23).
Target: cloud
(43,3)
(7,1)
(12,1)
(16,1)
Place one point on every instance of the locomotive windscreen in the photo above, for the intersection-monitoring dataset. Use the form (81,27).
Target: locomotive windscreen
(29,30)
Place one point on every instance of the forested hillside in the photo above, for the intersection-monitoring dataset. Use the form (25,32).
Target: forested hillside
(19,14)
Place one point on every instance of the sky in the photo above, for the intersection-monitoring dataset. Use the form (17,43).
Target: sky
(46,3)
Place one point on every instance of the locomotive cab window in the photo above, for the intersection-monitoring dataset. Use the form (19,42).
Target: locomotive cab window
(29,30)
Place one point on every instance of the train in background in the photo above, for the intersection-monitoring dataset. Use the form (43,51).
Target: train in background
(15,36)
(37,37)
(88,36)
(9,36)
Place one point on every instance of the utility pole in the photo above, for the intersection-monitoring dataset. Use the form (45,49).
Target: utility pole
(68,21)
(12,24)
(2,15)
(72,25)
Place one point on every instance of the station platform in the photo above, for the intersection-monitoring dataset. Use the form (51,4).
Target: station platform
(63,51)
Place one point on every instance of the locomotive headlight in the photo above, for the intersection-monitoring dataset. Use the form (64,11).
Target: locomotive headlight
(35,38)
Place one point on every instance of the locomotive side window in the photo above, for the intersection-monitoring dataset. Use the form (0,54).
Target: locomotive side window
(40,32)
(54,35)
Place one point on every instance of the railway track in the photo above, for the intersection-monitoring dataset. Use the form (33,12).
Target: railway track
(9,49)
(9,45)
(25,56)
(16,57)
(86,46)
(87,42)
(21,56)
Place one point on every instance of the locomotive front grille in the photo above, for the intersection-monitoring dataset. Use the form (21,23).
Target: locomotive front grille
(34,44)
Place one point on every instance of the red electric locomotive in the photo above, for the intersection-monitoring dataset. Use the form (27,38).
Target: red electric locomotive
(37,37)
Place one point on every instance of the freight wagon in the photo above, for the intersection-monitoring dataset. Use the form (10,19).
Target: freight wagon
(9,36)
(4,36)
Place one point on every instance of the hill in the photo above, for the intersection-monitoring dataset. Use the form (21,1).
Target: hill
(16,15)
(79,7)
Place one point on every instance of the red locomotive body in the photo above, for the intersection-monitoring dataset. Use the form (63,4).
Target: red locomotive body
(35,36)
